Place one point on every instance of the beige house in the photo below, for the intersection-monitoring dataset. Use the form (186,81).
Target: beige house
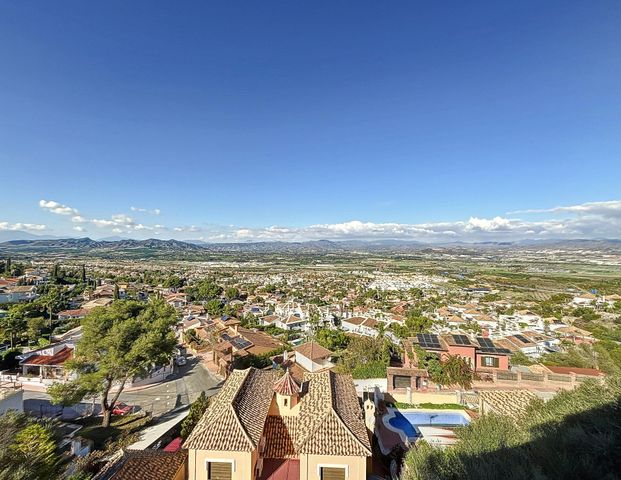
(263,427)
(313,357)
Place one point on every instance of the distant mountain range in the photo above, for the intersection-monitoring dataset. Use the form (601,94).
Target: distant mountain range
(7,235)
(117,244)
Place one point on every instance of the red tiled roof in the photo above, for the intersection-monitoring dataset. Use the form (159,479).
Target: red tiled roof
(578,371)
(58,359)
(149,465)
(286,385)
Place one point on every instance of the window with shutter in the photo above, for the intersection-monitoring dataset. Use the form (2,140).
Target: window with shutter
(219,471)
(402,381)
(332,473)
(490,362)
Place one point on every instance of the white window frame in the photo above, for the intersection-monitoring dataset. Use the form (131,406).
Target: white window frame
(332,465)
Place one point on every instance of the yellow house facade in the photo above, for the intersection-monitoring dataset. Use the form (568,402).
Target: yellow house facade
(263,427)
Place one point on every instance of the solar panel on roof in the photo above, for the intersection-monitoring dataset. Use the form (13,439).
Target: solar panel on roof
(461,340)
(428,340)
(495,350)
(522,338)
(239,342)
(485,342)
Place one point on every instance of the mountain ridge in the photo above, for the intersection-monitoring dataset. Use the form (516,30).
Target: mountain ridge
(325,246)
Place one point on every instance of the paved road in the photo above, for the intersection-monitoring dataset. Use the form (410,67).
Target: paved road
(182,388)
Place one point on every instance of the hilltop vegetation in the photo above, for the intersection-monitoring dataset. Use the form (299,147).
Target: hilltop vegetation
(577,434)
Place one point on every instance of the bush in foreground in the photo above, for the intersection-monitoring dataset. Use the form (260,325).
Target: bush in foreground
(577,434)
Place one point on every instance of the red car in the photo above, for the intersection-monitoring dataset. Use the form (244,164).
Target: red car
(121,409)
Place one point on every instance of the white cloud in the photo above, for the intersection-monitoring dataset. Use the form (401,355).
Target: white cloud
(610,208)
(123,219)
(57,208)
(154,211)
(35,227)
(191,228)
(488,225)
(78,228)
(587,220)
(102,222)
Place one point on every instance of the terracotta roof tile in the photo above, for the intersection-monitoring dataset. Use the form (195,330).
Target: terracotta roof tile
(313,351)
(236,415)
(286,385)
(280,434)
(145,465)
(329,421)
(57,359)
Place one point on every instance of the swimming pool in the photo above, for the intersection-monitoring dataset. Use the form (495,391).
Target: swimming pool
(408,421)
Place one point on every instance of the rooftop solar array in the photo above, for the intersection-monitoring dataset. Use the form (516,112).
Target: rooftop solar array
(226,337)
(487,346)
(522,338)
(461,340)
(428,340)
(240,343)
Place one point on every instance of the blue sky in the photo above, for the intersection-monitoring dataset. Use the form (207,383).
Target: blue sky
(423,120)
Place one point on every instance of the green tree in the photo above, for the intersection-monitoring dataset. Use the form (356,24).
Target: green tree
(119,342)
(232,293)
(519,358)
(28,448)
(36,444)
(453,370)
(205,290)
(365,357)
(173,281)
(35,325)
(214,307)
(13,324)
(331,339)
(417,323)
(52,301)
(7,266)
(8,359)
(66,394)
(197,409)
(83,275)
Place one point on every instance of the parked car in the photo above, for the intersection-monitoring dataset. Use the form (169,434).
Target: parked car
(180,360)
(121,409)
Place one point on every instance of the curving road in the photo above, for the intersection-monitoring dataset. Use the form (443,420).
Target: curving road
(181,388)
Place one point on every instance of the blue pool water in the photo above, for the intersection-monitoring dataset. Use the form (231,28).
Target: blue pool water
(407,421)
